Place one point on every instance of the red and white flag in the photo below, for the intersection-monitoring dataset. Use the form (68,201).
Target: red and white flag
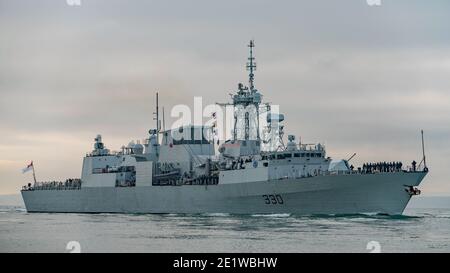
(28,168)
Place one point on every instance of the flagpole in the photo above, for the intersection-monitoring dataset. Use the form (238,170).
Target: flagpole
(34,173)
(423,152)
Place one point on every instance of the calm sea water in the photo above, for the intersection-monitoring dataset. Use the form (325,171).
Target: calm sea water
(419,230)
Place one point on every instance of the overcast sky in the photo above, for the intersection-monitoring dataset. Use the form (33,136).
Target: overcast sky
(360,79)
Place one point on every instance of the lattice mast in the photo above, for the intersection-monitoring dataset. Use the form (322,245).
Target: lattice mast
(246,103)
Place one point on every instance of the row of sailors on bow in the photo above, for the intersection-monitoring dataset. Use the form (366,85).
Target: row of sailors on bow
(382,167)
(68,184)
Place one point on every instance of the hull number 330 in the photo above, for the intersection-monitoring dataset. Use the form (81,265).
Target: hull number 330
(273,199)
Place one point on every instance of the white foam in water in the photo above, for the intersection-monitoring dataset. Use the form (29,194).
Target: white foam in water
(275,215)
(216,214)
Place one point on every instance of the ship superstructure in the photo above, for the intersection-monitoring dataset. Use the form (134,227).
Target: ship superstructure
(179,171)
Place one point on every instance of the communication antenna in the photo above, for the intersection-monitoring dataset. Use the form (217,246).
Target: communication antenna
(251,66)
(156,114)
(163,120)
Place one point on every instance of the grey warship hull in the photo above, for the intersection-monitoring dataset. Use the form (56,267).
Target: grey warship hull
(384,193)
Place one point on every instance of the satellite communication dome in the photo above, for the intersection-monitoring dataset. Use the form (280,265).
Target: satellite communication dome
(138,149)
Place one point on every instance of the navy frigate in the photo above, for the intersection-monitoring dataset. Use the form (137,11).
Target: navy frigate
(184,170)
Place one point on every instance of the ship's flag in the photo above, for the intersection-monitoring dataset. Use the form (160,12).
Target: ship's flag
(28,168)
